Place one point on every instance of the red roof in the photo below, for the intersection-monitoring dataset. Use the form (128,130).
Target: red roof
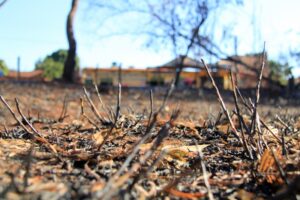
(246,65)
(33,75)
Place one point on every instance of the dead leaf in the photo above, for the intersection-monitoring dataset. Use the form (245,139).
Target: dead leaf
(49,187)
(268,166)
(245,195)
(186,195)
(98,138)
(224,128)
(97,186)
(181,154)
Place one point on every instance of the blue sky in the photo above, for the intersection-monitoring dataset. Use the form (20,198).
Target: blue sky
(33,29)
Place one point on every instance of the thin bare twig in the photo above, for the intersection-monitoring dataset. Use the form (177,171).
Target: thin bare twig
(91,172)
(25,119)
(205,176)
(5,129)
(117,115)
(255,117)
(250,109)
(148,170)
(27,161)
(284,150)
(85,115)
(15,116)
(282,174)
(257,97)
(136,148)
(162,134)
(241,120)
(64,110)
(283,123)
(38,136)
(104,107)
(12,184)
(99,96)
(118,109)
(92,106)
(151,107)
(235,132)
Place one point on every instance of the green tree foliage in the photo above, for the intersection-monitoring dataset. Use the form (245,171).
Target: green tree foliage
(3,68)
(53,65)
(280,72)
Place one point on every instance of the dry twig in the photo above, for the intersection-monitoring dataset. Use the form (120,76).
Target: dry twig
(241,120)
(108,186)
(15,116)
(93,107)
(235,132)
(205,176)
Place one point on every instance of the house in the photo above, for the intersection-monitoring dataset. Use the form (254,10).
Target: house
(193,74)
(198,77)
(110,76)
(36,75)
(246,69)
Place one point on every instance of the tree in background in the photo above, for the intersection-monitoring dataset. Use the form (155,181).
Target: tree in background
(280,72)
(3,68)
(53,65)
(70,63)
(187,26)
(2,3)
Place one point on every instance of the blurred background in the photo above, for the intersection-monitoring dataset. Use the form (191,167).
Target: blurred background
(150,34)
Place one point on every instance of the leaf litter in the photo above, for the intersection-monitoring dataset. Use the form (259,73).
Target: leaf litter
(64,148)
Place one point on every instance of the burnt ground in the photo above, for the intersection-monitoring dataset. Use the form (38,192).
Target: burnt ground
(62,149)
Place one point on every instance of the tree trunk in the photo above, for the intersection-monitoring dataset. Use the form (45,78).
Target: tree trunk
(177,75)
(70,63)
(179,68)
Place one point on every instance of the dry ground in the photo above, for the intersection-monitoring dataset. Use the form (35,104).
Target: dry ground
(75,155)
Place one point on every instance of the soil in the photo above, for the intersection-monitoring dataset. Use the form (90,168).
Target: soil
(63,149)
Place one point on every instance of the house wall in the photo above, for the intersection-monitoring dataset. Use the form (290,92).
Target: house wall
(134,78)
(106,76)
(167,76)
(223,77)
(140,78)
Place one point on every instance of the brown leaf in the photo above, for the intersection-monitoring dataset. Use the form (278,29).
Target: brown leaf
(268,167)
(224,128)
(97,186)
(49,187)
(180,154)
(98,138)
(186,195)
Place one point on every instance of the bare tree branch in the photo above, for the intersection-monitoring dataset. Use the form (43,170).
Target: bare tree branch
(2,3)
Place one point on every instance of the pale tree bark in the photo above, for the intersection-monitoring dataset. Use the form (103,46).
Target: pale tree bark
(70,63)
